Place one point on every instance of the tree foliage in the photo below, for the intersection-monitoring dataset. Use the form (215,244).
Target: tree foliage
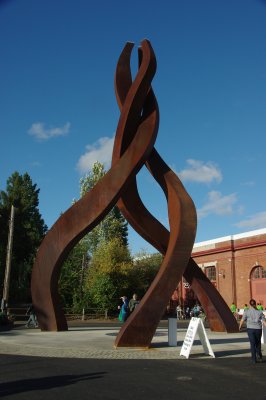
(74,295)
(29,230)
(71,282)
(109,273)
(114,224)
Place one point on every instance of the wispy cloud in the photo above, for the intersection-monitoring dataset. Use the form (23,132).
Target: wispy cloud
(35,164)
(39,131)
(248,183)
(218,204)
(99,151)
(255,221)
(198,171)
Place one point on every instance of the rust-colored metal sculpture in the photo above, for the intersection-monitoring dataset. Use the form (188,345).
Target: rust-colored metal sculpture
(133,147)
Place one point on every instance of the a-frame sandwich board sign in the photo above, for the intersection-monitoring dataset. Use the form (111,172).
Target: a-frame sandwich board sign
(196,326)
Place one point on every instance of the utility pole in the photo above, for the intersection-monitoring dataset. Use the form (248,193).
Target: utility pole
(8,260)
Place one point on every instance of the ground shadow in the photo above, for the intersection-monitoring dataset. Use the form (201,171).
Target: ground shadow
(45,383)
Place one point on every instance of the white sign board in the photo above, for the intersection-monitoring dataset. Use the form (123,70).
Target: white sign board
(196,326)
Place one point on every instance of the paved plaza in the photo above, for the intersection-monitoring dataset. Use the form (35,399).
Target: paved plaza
(98,342)
(82,363)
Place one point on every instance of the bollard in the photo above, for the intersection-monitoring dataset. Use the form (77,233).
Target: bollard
(172,329)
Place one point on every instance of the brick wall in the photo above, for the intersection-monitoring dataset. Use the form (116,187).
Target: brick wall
(234,258)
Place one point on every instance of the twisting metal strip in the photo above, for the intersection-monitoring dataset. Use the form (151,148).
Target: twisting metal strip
(135,137)
(141,326)
(85,214)
(219,316)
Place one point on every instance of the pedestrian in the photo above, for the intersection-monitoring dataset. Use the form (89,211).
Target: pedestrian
(233,307)
(234,310)
(259,306)
(179,312)
(133,303)
(124,310)
(254,319)
(32,317)
(187,312)
(196,310)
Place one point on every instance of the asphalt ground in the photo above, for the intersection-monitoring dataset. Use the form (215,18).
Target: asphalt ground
(36,365)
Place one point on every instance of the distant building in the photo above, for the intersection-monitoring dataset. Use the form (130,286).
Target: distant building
(236,265)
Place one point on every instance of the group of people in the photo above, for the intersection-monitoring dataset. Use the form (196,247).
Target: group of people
(237,311)
(253,317)
(127,307)
(188,312)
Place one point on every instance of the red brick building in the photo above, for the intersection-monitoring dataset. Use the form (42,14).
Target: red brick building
(235,264)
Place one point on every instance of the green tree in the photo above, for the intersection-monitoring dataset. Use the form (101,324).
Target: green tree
(29,230)
(73,293)
(108,276)
(145,269)
(114,224)
(71,282)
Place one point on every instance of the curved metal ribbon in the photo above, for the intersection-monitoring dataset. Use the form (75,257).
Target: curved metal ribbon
(219,316)
(134,141)
(85,214)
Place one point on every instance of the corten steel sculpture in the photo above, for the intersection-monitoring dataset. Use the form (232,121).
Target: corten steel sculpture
(133,147)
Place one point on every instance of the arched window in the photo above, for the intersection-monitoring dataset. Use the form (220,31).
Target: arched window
(211,273)
(258,273)
(258,284)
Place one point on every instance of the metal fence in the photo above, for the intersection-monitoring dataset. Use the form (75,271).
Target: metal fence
(19,313)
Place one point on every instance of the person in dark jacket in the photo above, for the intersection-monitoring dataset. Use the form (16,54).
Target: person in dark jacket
(133,303)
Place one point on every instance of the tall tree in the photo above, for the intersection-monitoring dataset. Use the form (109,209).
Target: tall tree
(146,266)
(108,277)
(71,283)
(29,229)
(114,224)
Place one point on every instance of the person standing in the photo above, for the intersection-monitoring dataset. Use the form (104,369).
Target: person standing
(32,317)
(124,310)
(133,303)
(254,319)
(234,310)
(259,306)
(179,312)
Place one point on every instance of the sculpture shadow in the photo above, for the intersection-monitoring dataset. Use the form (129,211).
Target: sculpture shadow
(45,383)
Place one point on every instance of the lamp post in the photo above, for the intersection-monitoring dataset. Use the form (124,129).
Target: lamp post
(8,261)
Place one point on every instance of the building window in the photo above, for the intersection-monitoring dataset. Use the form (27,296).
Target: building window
(211,273)
(259,273)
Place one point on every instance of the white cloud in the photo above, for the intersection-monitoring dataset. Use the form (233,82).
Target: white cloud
(218,204)
(255,221)
(99,151)
(39,132)
(199,172)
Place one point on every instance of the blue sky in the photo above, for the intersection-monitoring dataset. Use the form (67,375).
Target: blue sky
(58,112)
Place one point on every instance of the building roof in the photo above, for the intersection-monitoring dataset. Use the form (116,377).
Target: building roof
(232,237)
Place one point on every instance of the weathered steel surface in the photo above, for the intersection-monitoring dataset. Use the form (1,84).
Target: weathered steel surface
(85,214)
(146,317)
(134,141)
